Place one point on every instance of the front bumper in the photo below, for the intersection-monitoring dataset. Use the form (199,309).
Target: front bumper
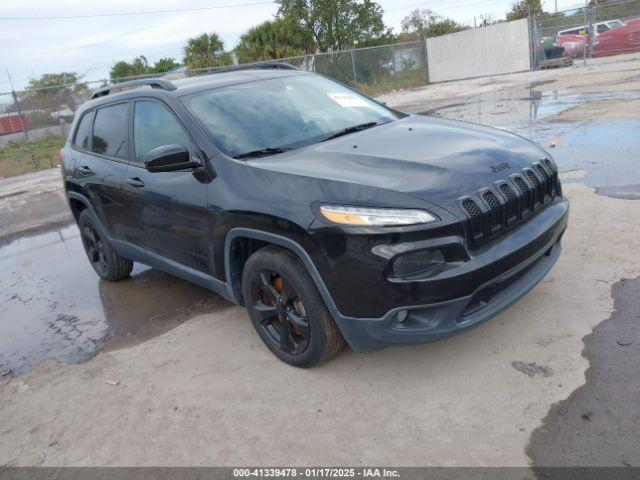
(501,275)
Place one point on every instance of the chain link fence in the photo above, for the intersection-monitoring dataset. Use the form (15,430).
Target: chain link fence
(582,33)
(34,123)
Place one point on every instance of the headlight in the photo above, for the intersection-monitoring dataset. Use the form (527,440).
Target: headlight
(374,217)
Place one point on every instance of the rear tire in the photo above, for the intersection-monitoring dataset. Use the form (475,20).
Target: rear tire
(104,259)
(281,298)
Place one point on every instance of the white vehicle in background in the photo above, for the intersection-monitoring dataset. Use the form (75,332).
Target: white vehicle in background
(598,28)
(63,112)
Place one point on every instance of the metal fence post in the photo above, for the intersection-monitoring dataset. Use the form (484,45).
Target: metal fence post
(590,33)
(532,42)
(353,63)
(586,32)
(426,53)
(23,124)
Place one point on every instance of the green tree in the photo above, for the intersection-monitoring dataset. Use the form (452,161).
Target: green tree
(164,65)
(443,26)
(424,21)
(272,39)
(611,10)
(54,83)
(49,93)
(335,24)
(123,70)
(524,8)
(487,19)
(204,51)
(416,21)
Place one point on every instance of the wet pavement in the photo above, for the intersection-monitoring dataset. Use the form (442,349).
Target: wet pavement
(607,149)
(53,305)
(521,109)
(599,424)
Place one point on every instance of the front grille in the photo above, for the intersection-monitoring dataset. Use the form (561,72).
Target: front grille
(495,211)
(511,203)
(508,203)
(475,217)
(547,187)
(525,192)
(537,190)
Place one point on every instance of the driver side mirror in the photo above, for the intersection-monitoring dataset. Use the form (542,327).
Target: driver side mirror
(169,158)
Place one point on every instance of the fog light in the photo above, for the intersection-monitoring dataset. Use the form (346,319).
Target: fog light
(416,263)
(402,316)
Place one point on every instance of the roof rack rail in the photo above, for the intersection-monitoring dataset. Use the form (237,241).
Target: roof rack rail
(160,83)
(253,66)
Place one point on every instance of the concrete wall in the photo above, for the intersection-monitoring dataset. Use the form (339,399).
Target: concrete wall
(492,50)
(36,134)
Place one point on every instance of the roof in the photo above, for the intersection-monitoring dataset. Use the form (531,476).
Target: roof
(163,86)
(231,77)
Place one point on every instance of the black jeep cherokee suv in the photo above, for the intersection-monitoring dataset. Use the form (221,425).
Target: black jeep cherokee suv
(329,216)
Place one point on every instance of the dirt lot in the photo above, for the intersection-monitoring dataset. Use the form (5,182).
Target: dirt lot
(180,377)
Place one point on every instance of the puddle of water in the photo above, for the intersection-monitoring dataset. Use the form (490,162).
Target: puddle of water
(608,151)
(53,305)
(523,111)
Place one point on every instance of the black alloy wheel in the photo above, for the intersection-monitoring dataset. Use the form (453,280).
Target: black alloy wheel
(104,259)
(282,313)
(94,247)
(287,310)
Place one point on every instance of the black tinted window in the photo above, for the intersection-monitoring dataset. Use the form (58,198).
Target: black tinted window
(84,131)
(154,126)
(110,132)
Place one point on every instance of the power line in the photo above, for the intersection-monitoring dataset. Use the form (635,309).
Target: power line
(149,12)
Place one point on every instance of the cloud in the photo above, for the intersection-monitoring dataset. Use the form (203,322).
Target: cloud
(31,48)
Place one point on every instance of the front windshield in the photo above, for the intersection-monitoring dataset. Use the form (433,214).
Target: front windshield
(285,112)
(615,24)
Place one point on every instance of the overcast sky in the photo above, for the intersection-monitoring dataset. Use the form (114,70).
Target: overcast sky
(90,46)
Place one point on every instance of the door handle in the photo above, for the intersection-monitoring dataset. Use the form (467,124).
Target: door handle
(135,182)
(85,171)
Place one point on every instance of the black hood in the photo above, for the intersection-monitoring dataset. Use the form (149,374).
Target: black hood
(434,159)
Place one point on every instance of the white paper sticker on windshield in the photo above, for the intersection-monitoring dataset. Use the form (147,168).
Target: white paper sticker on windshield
(347,99)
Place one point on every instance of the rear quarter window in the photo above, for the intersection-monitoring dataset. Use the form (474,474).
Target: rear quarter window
(111,131)
(83,133)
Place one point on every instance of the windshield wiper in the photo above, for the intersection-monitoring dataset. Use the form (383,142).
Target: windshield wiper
(263,152)
(348,130)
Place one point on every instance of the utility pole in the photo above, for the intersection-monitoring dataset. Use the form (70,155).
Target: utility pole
(23,124)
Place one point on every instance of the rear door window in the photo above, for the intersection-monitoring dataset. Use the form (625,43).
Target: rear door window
(155,126)
(111,132)
(83,133)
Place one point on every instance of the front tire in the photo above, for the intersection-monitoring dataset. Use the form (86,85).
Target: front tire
(287,311)
(104,259)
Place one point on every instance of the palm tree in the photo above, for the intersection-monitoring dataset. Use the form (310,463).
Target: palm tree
(206,50)
(272,39)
